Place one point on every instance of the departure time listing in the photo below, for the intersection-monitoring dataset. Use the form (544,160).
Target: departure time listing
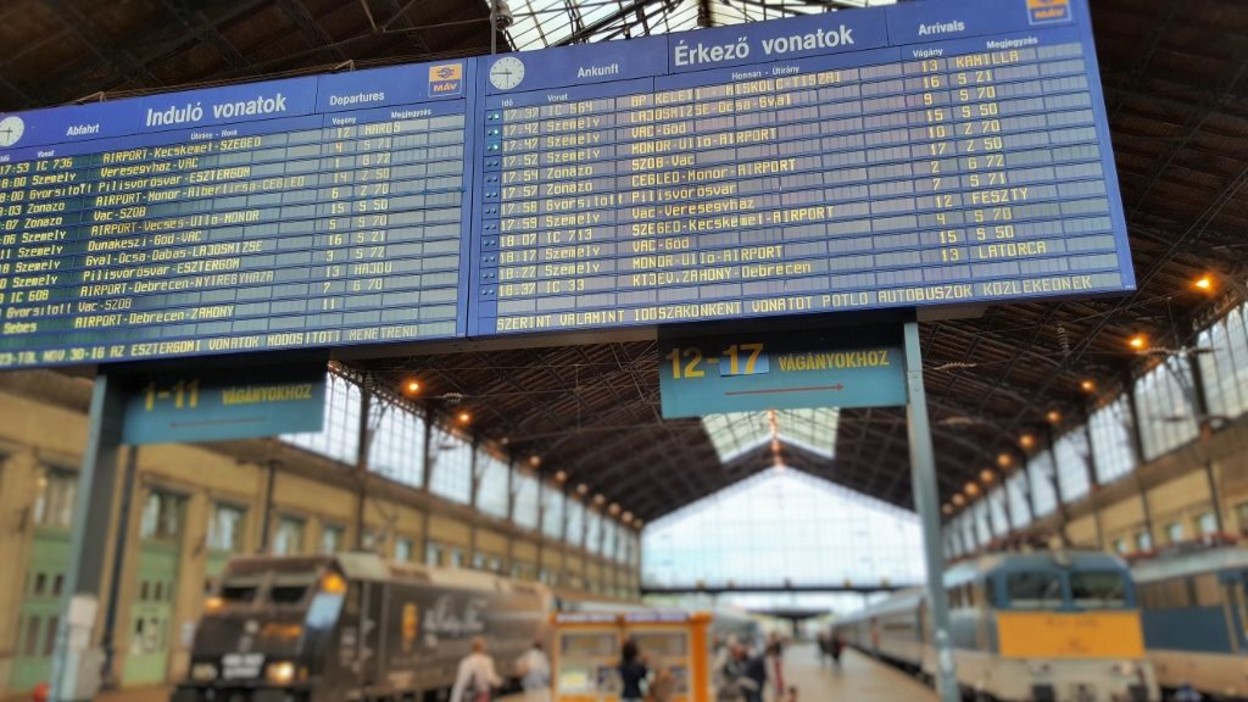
(311,231)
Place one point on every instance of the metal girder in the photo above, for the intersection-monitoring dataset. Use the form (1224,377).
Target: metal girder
(123,63)
(206,32)
(299,14)
(585,31)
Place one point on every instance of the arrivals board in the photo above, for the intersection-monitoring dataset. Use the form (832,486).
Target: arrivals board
(926,153)
(919,154)
(318,211)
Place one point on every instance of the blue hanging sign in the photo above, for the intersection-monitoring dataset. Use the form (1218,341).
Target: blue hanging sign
(756,372)
(221,405)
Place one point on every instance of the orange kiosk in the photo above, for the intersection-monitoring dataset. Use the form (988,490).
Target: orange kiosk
(587,651)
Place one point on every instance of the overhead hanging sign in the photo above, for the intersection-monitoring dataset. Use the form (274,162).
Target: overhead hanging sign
(221,405)
(756,372)
(925,153)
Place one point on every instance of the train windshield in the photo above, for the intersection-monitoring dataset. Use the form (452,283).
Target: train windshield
(240,592)
(1098,590)
(1034,590)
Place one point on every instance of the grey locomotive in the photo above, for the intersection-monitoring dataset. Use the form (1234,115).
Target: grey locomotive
(353,627)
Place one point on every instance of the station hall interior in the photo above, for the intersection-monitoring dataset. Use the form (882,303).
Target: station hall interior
(1102,433)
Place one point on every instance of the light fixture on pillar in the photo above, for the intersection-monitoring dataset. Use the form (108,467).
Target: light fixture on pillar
(1205,283)
(1004,460)
(1053,416)
(535,461)
(464,417)
(1027,441)
(1138,342)
(613,509)
(986,476)
(599,499)
(410,387)
(561,477)
(972,490)
(582,489)
(946,509)
(959,500)
(1088,385)
(627,517)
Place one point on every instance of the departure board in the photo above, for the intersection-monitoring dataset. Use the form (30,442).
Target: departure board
(919,154)
(319,211)
(947,152)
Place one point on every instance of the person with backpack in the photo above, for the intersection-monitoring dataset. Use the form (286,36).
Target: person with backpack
(533,667)
(476,676)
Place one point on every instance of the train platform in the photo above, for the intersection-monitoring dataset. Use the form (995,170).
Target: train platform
(859,679)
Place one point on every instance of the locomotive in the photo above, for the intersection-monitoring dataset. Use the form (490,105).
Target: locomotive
(1057,627)
(353,626)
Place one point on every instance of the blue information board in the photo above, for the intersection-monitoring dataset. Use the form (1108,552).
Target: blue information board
(918,154)
(926,153)
(320,211)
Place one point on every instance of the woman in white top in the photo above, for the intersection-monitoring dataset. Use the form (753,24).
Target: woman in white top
(534,667)
(476,676)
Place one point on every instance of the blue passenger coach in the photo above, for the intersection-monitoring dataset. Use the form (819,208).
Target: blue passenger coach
(1194,616)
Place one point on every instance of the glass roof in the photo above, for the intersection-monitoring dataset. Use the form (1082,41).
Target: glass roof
(784,525)
(542,23)
(737,433)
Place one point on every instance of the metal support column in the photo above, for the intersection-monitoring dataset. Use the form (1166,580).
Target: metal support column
(474,494)
(108,642)
(1137,447)
(75,661)
(927,501)
(1200,405)
(512,484)
(365,440)
(425,469)
(1055,484)
(1094,482)
(266,519)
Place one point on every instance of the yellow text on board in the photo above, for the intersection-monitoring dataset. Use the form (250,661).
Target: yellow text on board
(1070,635)
(865,358)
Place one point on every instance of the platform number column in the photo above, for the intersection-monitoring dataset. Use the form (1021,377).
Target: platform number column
(338,158)
(936,163)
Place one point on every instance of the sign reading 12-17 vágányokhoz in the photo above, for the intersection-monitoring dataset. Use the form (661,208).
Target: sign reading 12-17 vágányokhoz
(925,153)
(754,372)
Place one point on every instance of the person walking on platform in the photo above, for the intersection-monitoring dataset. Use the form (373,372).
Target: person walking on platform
(534,670)
(632,673)
(824,648)
(775,655)
(756,677)
(836,647)
(476,676)
(730,675)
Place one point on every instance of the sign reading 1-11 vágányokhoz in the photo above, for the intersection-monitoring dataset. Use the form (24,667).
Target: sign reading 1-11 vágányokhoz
(926,153)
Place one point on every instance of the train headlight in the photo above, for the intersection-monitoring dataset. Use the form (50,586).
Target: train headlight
(203,672)
(282,673)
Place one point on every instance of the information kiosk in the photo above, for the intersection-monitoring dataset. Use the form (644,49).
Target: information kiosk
(587,651)
(676,642)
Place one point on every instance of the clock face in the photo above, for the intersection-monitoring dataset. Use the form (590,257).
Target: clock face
(507,72)
(11,129)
